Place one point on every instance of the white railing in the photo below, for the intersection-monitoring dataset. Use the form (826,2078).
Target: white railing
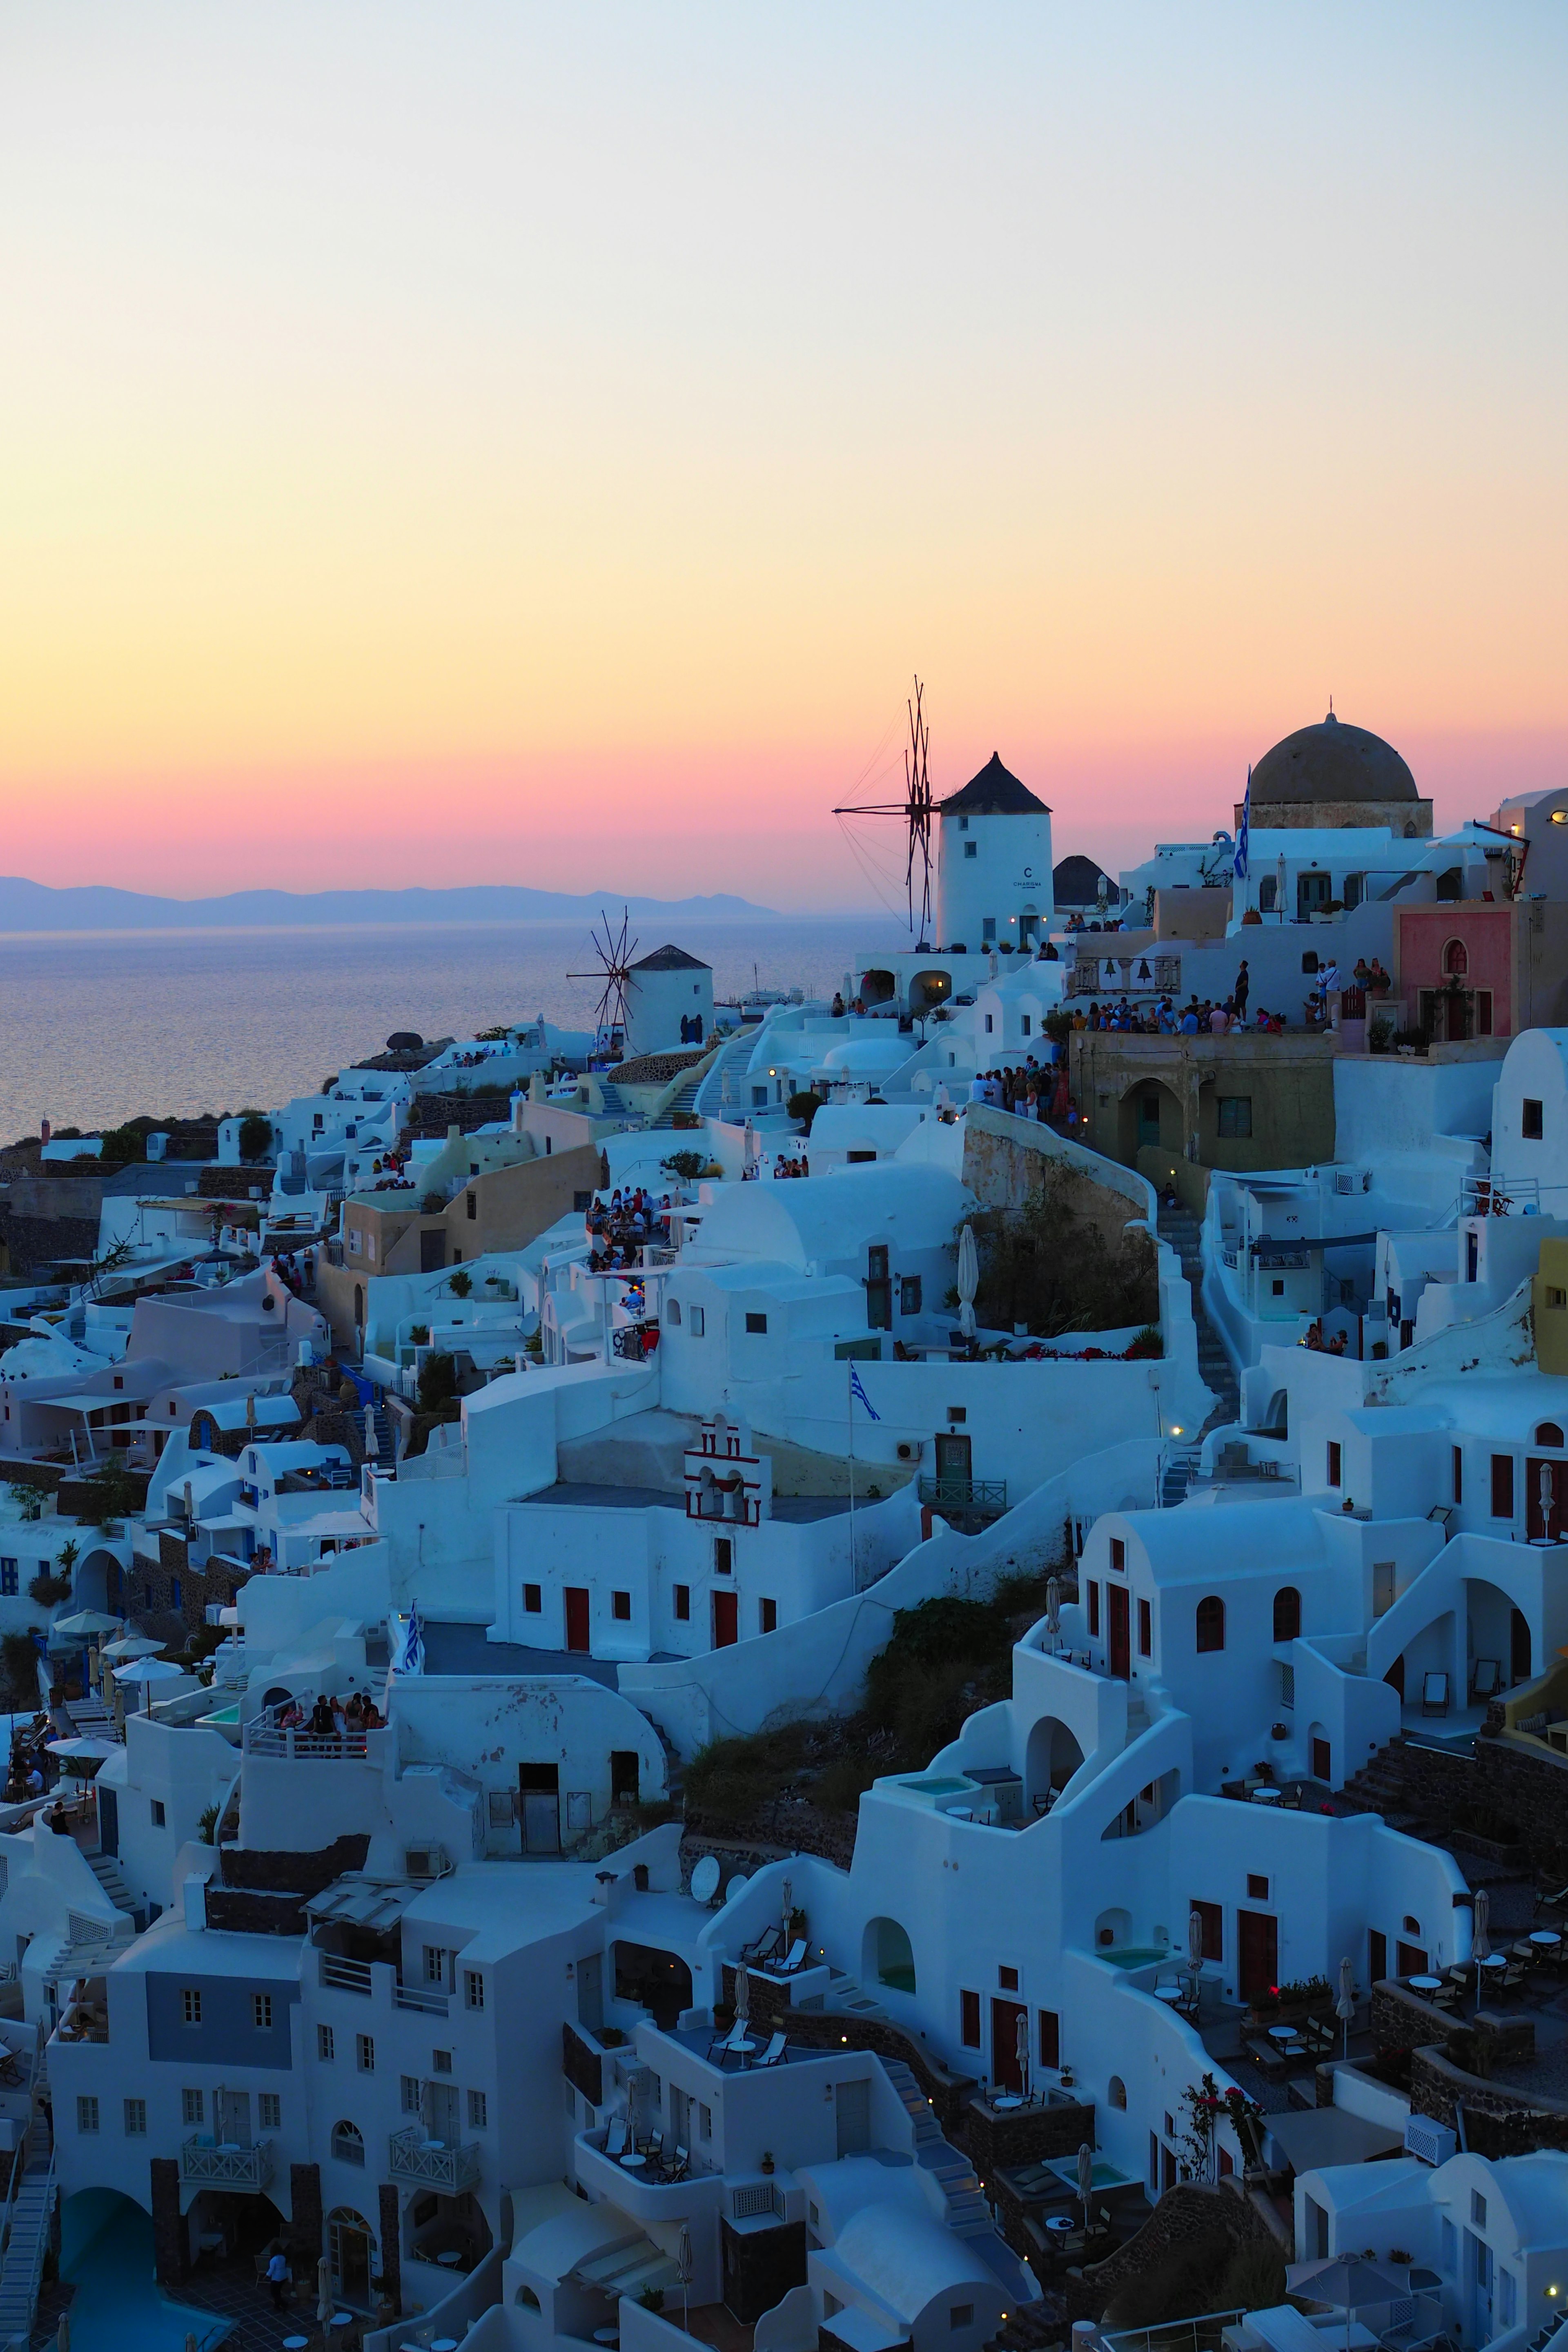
(227,2168)
(263,1737)
(341,1975)
(415,2158)
(427,1999)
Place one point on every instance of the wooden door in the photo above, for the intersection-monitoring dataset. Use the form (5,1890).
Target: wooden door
(1120,1638)
(576,1598)
(1546,1499)
(1377,1954)
(726,1620)
(954,1459)
(1412,1961)
(539,1802)
(1004,2066)
(1322,1762)
(1257,1938)
(1518,1647)
(441,2113)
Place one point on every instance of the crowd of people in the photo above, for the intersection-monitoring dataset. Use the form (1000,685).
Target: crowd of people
(1312,1338)
(618,1230)
(332,1719)
(32,1765)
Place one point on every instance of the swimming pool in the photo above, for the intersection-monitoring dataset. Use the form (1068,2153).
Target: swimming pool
(106,2254)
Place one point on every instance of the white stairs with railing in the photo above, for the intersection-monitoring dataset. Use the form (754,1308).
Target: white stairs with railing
(29,2216)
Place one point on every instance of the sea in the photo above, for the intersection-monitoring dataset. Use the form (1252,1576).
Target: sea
(97,1027)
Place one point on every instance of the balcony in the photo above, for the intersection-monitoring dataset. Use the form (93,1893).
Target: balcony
(341,1975)
(426,2163)
(204,2165)
(964,1502)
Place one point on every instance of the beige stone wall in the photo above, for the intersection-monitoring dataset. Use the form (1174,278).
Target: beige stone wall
(1302,816)
(1289,1081)
(1002,1171)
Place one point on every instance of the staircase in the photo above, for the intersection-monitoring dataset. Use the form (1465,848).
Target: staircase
(90,1718)
(968,2214)
(1379,1788)
(844,1993)
(32,2212)
(1182,1230)
(1181,1467)
(105,1870)
(685,1101)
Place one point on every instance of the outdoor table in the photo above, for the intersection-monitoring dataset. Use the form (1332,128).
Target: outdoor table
(296,2344)
(1282,2033)
(1006,2100)
(1059,2224)
(633,2162)
(611,2335)
(1172,1993)
(444,2344)
(339,2319)
(451,2258)
(1425,1984)
(1493,1960)
(1547,1939)
(1265,1796)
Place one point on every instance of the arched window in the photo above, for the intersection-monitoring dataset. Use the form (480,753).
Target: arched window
(672,1311)
(1286,1613)
(1211,1623)
(348,2143)
(1411,1925)
(1116,2092)
(1455,962)
(1548,1433)
(526,2296)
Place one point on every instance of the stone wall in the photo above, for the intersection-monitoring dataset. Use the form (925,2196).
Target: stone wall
(307,1874)
(305,2234)
(170,2239)
(1185,2216)
(149,1589)
(391,2244)
(831,2029)
(1026,2135)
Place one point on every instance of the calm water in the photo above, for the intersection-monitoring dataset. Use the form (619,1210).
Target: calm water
(98,1026)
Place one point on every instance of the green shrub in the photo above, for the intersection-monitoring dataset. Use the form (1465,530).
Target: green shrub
(687,1165)
(254,1135)
(437,1383)
(460,1284)
(805,1108)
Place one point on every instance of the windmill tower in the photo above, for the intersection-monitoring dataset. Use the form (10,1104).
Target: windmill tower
(917,809)
(613,1011)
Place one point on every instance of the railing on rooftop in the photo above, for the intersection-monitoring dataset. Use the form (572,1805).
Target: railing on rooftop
(263,1737)
(428,1999)
(342,1974)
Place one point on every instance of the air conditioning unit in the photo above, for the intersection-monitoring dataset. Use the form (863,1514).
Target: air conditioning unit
(1428,2141)
(426,1862)
(909,1450)
(1353,1179)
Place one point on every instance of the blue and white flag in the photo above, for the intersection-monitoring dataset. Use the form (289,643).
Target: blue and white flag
(411,1655)
(857,1389)
(1238,863)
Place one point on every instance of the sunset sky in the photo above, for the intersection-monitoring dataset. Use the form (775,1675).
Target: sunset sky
(480,442)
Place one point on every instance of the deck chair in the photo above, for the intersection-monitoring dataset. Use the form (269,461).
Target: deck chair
(1485,1677)
(764,1947)
(774,2054)
(793,1960)
(681,2165)
(1435,1694)
(616,2136)
(736,2043)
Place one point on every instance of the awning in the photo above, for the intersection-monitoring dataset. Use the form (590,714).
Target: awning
(1311,2137)
(629,2269)
(377,1903)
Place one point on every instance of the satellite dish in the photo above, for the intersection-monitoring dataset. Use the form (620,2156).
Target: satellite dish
(735,1886)
(705,1879)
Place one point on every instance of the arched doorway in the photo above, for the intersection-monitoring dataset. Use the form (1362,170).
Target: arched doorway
(1052,1757)
(928,989)
(889,1958)
(99,1582)
(1149,1117)
(350,2250)
(877,987)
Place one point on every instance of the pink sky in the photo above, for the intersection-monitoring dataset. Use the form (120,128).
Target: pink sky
(541,448)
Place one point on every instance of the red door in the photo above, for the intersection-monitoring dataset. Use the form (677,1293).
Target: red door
(726,1620)
(1258,1941)
(1120,1642)
(577,1617)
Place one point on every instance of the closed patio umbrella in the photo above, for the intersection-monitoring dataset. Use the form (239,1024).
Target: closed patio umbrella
(786,1901)
(684,2267)
(326,2301)
(743,1992)
(968,1281)
(1345,2008)
(1085,2178)
(1195,1943)
(1021,2049)
(1053,1609)
(1481,1940)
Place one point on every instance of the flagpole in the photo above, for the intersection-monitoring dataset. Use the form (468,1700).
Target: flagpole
(850,1401)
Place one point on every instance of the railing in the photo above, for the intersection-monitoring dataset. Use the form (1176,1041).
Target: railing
(974,1495)
(758,2197)
(226,2168)
(428,1999)
(341,1975)
(263,1737)
(414,2157)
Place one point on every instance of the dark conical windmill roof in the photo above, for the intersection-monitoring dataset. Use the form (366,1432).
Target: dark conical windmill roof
(669,959)
(994,792)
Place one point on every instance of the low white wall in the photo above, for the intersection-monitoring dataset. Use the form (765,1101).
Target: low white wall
(819,1664)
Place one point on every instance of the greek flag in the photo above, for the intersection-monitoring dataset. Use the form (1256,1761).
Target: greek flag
(1238,863)
(857,1389)
(411,1655)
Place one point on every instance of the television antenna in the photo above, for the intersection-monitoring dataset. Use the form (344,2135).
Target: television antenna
(917,809)
(614,1009)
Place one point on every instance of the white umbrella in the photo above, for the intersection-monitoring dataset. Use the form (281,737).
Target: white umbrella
(684,2267)
(326,2301)
(786,1900)
(1021,2049)
(371,1440)
(968,1281)
(1053,1609)
(1085,2178)
(743,1992)
(148,1670)
(133,1645)
(1480,1941)
(81,1751)
(1347,2282)
(1345,2008)
(85,1622)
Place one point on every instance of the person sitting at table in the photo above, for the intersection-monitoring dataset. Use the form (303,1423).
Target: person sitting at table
(322,1725)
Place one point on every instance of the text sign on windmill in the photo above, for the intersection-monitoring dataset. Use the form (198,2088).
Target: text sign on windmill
(612,1013)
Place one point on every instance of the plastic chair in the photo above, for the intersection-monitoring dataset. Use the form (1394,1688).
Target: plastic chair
(1435,1694)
